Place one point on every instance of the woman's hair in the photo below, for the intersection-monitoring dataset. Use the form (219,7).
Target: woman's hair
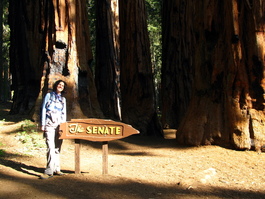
(56,84)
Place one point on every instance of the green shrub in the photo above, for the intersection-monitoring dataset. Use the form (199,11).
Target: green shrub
(30,136)
(32,139)
(2,152)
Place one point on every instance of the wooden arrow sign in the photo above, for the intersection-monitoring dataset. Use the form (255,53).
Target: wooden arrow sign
(99,130)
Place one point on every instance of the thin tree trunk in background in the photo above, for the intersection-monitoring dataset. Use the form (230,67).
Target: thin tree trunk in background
(1,54)
(137,87)
(227,105)
(116,40)
(107,57)
(4,74)
(50,41)
(177,76)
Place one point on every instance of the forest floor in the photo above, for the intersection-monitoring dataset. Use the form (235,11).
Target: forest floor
(138,168)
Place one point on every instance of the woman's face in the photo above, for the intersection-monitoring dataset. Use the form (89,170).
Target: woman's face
(60,87)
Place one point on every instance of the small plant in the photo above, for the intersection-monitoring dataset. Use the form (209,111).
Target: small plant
(29,126)
(30,136)
(1,122)
(32,139)
(2,152)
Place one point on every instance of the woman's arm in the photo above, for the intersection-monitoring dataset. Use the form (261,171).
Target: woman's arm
(44,110)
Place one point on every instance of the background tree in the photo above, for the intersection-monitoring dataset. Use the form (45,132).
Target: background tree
(107,57)
(137,86)
(154,26)
(1,47)
(4,44)
(213,64)
(50,41)
(177,76)
(227,104)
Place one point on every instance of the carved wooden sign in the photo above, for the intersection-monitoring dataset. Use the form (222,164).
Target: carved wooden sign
(99,130)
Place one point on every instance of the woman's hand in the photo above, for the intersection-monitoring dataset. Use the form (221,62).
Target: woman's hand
(43,128)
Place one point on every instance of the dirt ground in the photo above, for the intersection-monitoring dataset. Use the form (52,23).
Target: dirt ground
(138,168)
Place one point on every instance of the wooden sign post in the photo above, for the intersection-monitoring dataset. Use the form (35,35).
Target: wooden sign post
(98,130)
(77,157)
(105,158)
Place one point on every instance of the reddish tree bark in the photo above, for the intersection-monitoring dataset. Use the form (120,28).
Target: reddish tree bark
(50,41)
(137,87)
(227,104)
(177,72)
(107,57)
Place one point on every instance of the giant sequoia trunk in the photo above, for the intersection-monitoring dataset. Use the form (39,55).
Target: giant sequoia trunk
(137,88)
(107,57)
(227,104)
(50,41)
(176,78)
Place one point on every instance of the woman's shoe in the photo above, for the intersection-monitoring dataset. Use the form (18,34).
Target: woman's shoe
(46,176)
(59,173)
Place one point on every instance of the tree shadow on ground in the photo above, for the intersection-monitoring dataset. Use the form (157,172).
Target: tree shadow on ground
(85,186)
(141,141)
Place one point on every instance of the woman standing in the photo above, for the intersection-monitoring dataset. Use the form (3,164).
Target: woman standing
(53,114)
